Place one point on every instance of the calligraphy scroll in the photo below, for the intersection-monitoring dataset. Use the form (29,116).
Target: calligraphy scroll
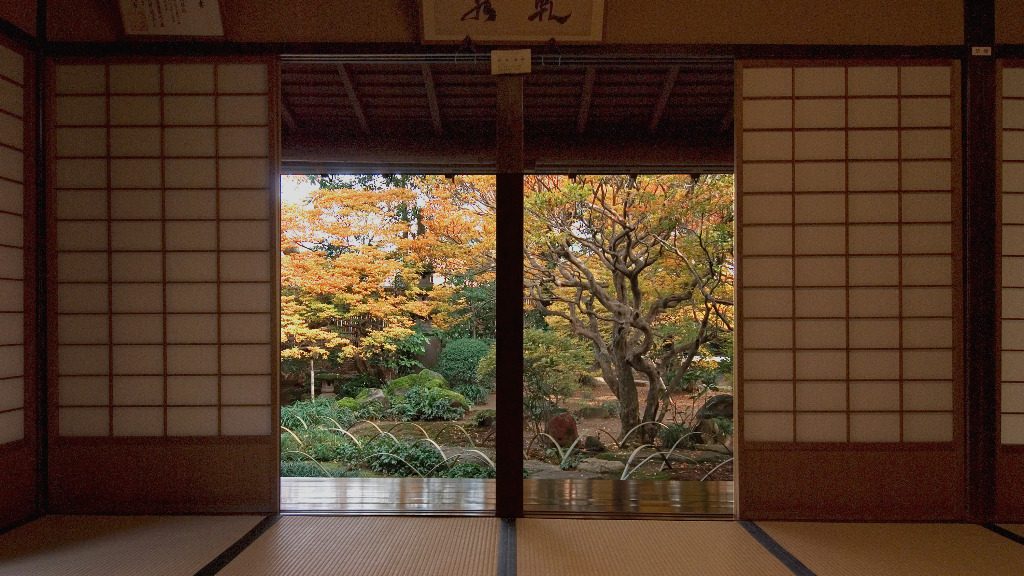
(512,21)
(171,17)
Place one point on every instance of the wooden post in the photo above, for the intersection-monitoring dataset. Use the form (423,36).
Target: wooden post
(509,413)
(979,155)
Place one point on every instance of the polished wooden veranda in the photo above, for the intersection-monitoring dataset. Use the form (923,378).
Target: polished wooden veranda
(456,496)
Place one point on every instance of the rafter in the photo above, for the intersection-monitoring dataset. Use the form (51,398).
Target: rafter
(353,98)
(666,92)
(435,109)
(588,92)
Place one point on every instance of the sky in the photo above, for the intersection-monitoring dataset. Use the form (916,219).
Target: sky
(294,189)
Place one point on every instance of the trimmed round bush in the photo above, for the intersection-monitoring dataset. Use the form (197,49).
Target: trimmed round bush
(424,378)
(423,403)
(459,360)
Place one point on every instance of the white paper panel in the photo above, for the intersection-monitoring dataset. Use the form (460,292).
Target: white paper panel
(846,221)
(165,245)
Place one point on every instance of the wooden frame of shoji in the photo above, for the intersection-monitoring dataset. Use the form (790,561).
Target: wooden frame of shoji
(164,312)
(1010,295)
(17,283)
(848,349)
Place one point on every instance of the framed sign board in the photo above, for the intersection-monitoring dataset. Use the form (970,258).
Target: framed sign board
(171,18)
(512,21)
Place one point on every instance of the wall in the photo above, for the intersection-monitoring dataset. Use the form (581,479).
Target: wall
(909,22)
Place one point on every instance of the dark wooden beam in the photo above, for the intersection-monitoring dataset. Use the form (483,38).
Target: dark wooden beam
(510,128)
(308,152)
(666,92)
(981,281)
(588,92)
(353,98)
(509,150)
(435,109)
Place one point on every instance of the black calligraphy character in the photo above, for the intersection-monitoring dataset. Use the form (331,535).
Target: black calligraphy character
(547,8)
(481,6)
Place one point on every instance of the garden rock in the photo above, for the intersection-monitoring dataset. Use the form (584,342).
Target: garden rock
(716,407)
(593,444)
(599,466)
(375,395)
(562,427)
(713,448)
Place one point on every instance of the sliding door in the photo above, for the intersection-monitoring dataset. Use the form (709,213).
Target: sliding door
(17,286)
(849,344)
(1010,183)
(163,312)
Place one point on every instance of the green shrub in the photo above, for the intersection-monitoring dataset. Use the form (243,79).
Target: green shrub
(307,469)
(487,368)
(311,414)
(553,364)
(353,385)
(485,418)
(459,360)
(611,408)
(385,456)
(290,448)
(425,403)
(328,446)
(468,470)
(350,404)
(473,393)
(673,433)
(424,378)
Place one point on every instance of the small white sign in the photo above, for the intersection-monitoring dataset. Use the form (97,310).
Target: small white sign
(171,17)
(511,61)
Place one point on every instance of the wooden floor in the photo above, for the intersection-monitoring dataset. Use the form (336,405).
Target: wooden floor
(448,496)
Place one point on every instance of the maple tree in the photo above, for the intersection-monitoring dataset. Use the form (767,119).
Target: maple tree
(373,260)
(640,267)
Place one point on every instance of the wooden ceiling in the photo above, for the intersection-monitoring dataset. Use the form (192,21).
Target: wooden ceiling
(440,115)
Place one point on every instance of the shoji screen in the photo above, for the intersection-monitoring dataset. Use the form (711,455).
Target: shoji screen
(17,289)
(163,180)
(1010,120)
(849,371)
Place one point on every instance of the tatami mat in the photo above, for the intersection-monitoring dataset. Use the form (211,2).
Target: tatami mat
(372,546)
(648,547)
(119,545)
(898,549)
(1017,529)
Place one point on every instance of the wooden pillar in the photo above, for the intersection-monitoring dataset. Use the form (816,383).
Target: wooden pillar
(980,279)
(509,413)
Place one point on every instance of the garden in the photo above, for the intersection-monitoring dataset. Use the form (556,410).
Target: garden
(388,327)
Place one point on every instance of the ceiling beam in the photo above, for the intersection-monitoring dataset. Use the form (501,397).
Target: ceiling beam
(588,92)
(326,152)
(350,91)
(435,109)
(666,92)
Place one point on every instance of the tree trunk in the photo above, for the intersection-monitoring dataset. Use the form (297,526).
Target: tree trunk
(312,381)
(629,403)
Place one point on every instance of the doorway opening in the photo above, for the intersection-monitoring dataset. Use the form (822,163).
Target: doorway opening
(652,124)
(388,327)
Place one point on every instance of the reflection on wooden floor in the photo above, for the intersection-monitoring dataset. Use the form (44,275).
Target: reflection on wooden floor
(448,496)
(627,498)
